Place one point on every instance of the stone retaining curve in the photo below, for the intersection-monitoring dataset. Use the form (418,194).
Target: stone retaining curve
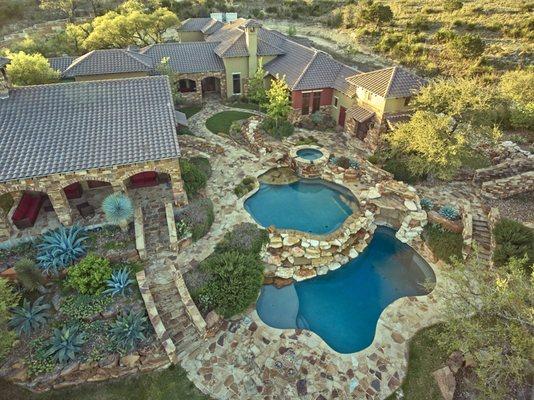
(504,169)
(508,187)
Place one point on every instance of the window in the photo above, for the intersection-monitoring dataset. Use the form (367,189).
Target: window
(407,100)
(236,83)
(336,101)
(316,102)
(368,95)
(306,103)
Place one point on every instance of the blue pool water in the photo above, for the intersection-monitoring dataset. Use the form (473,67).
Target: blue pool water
(343,306)
(306,205)
(309,154)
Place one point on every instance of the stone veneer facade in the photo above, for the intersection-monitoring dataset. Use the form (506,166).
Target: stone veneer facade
(308,168)
(117,176)
(196,96)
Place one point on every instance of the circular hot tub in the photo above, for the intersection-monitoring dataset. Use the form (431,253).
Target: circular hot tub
(308,160)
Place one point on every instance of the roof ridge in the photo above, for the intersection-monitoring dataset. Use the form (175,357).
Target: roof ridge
(94,82)
(78,60)
(306,68)
(133,56)
(388,87)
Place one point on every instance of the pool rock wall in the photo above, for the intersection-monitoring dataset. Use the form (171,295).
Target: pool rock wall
(300,256)
(308,168)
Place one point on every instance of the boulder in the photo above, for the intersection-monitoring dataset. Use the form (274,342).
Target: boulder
(284,272)
(130,360)
(69,369)
(280,282)
(110,361)
(304,273)
(290,240)
(373,193)
(212,319)
(410,205)
(353,253)
(446,382)
(455,361)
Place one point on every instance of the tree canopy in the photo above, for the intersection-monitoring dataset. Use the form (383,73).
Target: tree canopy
(256,87)
(517,87)
(30,69)
(278,104)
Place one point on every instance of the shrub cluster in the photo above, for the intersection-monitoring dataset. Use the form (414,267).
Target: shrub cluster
(283,130)
(90,275)
(194,177)
(444,244)
(245,186)
(514,240)
(244,238)
(198,216)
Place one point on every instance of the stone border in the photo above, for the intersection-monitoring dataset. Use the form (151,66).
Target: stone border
(139,230)
(308,168)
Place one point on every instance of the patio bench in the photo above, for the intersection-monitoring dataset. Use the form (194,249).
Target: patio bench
(144,179)
(28,210)
(73,191)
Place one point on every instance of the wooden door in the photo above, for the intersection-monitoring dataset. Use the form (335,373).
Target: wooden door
(342,116)
(305,103)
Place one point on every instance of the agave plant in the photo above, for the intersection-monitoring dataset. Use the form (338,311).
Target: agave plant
(129,329)
(426,203)
(118,209)
(60,248)
(29,317)
(65,344)
(450,212)
(119,282)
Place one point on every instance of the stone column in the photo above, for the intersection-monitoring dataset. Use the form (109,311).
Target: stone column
(223,86)
(198,92)
(4,226)
(61,206)
(85,186)
(178,191)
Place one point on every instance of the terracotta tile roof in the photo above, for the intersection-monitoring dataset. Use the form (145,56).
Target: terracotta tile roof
(187,57)
(389,82)
(64,127)
(360,114)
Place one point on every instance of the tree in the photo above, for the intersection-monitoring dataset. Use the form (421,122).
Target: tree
(467,46)
(375,13)
(129,24)
(67,7)
(452,5)
(30,69)
(278,105)
(256,86)
(488,315)
(517,88)
(8,299)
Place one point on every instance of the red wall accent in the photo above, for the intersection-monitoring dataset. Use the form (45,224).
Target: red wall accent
(326,97)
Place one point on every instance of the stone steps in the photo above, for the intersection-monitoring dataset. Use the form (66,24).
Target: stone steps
(482,236)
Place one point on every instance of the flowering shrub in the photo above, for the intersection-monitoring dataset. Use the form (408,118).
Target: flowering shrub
(198,216)
(244,238)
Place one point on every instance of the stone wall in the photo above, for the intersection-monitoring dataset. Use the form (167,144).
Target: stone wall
(504,169)
(308,168)
(117,176)
(295,116)
(508,187)
(196,96)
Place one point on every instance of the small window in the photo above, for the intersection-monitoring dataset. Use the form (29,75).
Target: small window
(407,100)
(336,100)
(316,104)
(236,83)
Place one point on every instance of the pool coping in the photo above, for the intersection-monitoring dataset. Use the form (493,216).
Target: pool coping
(318,161)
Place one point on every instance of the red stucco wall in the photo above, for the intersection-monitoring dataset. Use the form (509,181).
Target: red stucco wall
(326,97)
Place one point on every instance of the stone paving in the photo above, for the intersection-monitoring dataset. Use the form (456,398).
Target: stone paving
(247,359)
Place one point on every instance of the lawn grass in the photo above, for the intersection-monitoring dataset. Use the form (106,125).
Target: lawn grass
(425,357)
(190,111)
(221,122)
(170,384)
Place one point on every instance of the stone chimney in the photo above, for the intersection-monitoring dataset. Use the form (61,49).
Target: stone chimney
(251,28)
(5,85)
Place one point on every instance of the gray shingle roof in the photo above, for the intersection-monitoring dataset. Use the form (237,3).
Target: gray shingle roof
(389,82)
(64,127)
(189,57)
(360,114)
(111,61)
(195,24)
(4,61)
(61,63)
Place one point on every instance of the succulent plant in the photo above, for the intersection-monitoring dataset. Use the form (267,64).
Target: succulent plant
(450,212)
(60,248)
(28,274)
(30,316)
(118,208)
(354,164)
(426,203)
(129,329)
(119,282)
(65,344)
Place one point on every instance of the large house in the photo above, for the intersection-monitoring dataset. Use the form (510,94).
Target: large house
(213,57)
(62,144)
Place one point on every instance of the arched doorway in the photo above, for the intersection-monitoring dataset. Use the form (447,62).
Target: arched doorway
(85,199)
(211,85)
(187,86)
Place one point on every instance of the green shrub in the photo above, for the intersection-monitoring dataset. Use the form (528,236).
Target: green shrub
(467,46)
(283,130)
(244,238)
(89,276)
(194,178)
(444,244)
(83,307)
(198,216)
(6,202)
(514,240)
(452,5)
(37,361)
(234,283)
(399,168)
(203,164)
(28,275)
(8,298)
(245,186)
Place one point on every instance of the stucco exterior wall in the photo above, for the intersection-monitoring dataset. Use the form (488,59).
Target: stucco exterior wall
(233,65)
(343,101)
(190,36)
(117,176)
(102,77)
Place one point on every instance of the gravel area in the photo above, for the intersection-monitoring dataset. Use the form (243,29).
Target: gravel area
(519,208)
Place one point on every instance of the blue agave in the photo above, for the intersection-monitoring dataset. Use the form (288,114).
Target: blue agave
(426,203)
(129,329)
(119,282)
(65,344)
(450,212)
(118,208)
(29,317)
(354,164)
(60,248)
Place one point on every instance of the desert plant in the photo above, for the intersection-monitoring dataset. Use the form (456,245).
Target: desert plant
(28,275)
(30,316)
(198,216)
(244,238)
(182,230)
(129,329)
(8,298)
(89,275)
(65,344)
(60,248)
(450,212)
(118,209)
(426,204)
(514,240)
(120,282)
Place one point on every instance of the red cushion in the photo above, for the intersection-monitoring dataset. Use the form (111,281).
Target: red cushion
(144,179)
(28,207)
(73,191)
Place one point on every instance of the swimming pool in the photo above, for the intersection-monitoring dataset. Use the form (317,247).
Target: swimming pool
(307,205)
(309,154)
(343,306)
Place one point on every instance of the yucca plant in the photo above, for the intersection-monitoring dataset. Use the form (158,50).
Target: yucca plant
(65,344)
(119,282)
(60,248)
(128,330)
(30,316)
(450,212)
(118,209)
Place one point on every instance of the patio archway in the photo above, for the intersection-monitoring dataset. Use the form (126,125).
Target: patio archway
(187,86)
(85,197)
(211,85)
